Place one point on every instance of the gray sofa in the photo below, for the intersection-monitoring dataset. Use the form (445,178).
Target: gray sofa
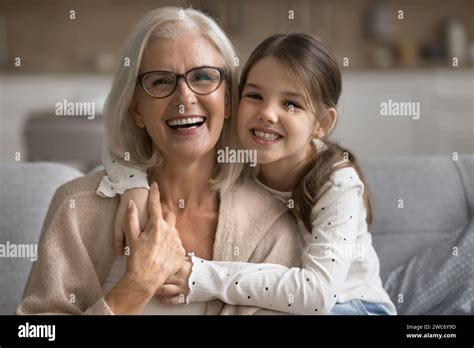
(423,208)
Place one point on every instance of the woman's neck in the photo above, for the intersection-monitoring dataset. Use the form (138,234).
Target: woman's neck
(283,175)
(185,184)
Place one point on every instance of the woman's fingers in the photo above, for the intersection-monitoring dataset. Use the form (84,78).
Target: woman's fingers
(154,205)
(171,300)
(170,218)
(119,236)
(168,290)
(174,279)
(132,226)
(119,240)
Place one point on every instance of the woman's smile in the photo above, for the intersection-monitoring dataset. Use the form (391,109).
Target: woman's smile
(183,124)
(186,125)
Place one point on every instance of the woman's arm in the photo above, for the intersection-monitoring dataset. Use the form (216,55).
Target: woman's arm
(312,289)
(65,277)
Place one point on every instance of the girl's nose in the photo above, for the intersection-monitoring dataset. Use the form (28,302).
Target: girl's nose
(268,114)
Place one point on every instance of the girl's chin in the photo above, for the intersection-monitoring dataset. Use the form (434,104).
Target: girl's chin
(264,158)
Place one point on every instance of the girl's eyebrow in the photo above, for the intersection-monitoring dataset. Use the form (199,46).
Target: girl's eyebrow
(292,94)
(254,85)
(285,94)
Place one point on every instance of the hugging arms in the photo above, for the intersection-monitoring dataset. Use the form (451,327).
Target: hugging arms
(166,117)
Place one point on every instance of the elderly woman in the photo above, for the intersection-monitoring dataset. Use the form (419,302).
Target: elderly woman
(223,218)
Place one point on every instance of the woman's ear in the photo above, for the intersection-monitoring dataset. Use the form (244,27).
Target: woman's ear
(135,112)
(325,126)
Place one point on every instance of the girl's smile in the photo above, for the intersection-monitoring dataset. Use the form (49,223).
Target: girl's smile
(265,136)
(272,116)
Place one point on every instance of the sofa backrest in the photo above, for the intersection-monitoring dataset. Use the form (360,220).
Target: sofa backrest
(417,201)
(26,190)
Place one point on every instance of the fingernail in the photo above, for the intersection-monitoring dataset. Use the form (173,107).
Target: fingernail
(130,204)
(155,185)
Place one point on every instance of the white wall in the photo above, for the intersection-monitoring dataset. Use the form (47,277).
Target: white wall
(446,98)
(25,94)
(446,122)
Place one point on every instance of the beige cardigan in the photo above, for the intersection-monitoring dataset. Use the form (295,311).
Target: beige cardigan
(76,253)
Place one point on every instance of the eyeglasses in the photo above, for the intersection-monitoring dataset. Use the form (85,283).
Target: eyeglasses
(202,80)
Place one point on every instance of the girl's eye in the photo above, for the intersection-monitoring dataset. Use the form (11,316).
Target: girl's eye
(289,104)
(253,96)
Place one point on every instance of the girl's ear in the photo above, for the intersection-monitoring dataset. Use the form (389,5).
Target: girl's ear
(135,112)
(228,104)
(325,126)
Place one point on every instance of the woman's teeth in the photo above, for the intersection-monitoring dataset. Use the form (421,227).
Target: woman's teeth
(266,136)
(186,122)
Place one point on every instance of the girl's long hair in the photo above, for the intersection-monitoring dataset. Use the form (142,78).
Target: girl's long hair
(309,60)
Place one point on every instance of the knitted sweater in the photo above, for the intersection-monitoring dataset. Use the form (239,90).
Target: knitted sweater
(76,253)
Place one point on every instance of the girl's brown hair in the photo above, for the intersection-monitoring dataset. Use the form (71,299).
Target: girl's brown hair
(309,60)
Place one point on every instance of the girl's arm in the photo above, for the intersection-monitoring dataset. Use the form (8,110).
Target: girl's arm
(131,184)
(312,289)
(119,177)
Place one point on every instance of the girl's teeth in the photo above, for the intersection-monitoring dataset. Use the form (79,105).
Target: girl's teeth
(266,136)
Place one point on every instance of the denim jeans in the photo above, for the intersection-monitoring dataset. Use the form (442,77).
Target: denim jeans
(358,307)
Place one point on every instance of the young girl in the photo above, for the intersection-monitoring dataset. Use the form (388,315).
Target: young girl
(289,91)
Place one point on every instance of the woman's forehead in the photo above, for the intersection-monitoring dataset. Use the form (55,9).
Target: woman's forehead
(180,54)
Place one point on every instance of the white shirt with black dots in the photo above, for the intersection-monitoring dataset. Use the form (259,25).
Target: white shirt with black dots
(119,177)
(339,263)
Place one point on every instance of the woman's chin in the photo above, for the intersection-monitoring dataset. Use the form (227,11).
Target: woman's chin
(190,152)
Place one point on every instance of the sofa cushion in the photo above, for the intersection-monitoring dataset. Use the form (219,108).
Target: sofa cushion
(439,280)
(417,202)
(26,190)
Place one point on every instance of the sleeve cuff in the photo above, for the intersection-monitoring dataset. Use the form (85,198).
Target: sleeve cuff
(204,282)
(99,308)
(107,188)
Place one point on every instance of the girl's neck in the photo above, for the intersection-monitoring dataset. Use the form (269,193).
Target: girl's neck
(186,183)
(284,174)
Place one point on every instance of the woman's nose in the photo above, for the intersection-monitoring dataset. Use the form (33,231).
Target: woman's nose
(183,95)
(268,114)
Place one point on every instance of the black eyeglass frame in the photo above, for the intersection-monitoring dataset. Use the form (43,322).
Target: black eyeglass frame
(178,76)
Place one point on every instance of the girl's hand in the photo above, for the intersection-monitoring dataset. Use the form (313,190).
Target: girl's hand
(140,197)
(176,287)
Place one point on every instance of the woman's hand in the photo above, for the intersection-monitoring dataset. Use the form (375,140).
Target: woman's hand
(155,255)
(176,287)
(140,197)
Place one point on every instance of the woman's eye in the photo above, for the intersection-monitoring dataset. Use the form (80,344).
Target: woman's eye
(161,82)
(201,77)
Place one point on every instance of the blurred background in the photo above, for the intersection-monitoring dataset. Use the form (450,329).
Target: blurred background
(404,51)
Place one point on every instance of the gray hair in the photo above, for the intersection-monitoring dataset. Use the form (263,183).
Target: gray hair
(123,135)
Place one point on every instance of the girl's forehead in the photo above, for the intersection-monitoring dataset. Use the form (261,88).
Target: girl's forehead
(270,73)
